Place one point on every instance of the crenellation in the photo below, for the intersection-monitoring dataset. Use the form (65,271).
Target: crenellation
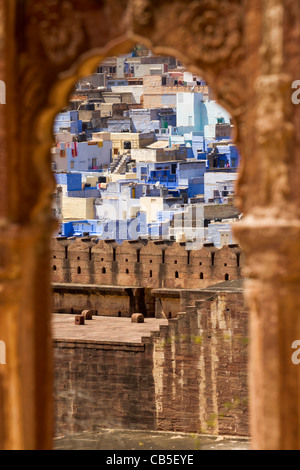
(150,264)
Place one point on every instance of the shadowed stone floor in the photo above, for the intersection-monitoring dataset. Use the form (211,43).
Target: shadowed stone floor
(141,440)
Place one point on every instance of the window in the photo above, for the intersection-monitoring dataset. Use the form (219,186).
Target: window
(127,271)
(103,270)
(201,276)
(226,277)
(54,268)
(176,275)
(79,270)
(150,274)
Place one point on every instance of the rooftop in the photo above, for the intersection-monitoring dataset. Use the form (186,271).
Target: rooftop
(104,329)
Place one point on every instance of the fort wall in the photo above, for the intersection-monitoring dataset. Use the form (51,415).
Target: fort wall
(152,264)
(191,376)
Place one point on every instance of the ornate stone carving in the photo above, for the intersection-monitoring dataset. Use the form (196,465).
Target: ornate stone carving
(142,11)
(273,137)
(59,28)
(198,29)
(216,39)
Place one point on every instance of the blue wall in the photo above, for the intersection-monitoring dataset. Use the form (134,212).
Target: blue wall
(73,181)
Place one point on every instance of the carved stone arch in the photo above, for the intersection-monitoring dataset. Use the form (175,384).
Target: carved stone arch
(61,46)
(50,44)
(246,50)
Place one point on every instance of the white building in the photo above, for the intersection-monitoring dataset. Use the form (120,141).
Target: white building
(83,156)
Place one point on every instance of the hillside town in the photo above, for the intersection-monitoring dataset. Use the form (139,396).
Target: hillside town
(149,208)
(145,152)
(144,267)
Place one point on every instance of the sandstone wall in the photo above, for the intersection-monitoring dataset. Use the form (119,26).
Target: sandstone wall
(191,376)
(155,264)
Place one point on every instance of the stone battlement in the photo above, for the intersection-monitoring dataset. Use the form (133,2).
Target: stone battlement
(146,264)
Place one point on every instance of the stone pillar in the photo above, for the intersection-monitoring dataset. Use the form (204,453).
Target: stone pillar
(25,297)
(269,233)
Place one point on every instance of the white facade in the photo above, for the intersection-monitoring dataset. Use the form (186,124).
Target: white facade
(83,156)
(190,78)
(194,112)
(151,206)
(213,178)
(136,90)
(189,110)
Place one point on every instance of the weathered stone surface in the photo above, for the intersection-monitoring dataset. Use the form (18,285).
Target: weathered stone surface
(188,376)
(248,53)
(148,265)
(137,318)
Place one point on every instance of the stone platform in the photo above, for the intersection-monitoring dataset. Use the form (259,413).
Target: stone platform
(107,329)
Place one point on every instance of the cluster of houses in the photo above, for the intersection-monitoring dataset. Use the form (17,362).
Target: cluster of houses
(144,151)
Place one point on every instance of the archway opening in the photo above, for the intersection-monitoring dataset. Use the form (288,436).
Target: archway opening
(148,120)
(142,153)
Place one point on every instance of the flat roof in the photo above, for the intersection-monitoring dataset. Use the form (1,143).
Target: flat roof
(104,329)
(160,144)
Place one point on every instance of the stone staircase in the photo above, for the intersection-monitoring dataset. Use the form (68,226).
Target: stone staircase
(119,164)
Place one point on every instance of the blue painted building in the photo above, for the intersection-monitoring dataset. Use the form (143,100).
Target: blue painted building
(119,230)
(175,175)
(68,121)
(72,181)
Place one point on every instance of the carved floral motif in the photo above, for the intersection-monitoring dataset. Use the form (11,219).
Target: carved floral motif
(59,28)
(213,38)
(142,11)
(198,28)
